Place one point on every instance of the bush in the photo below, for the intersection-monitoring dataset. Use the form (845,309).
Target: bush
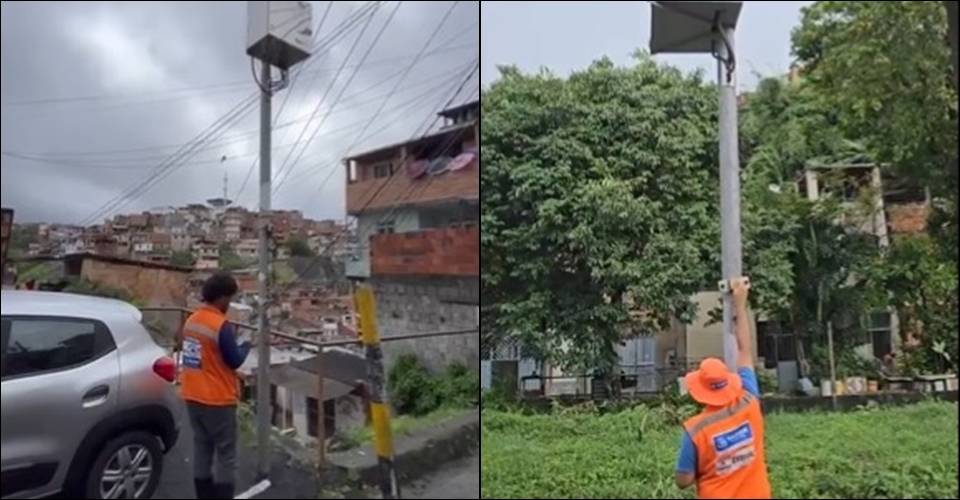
(458,386)
(411,386)
(414,390)
(768,383)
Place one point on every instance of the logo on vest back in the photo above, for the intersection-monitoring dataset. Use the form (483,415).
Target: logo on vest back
(733,438)
(734,448)
(192,353)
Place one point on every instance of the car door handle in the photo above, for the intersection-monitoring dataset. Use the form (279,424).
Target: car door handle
(96,396)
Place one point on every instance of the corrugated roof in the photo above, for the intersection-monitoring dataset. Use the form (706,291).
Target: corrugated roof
(304,382)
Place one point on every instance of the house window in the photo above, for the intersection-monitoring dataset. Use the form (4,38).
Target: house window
(878,327)
(329,421)
(382,170)
(774,344)
(386,227)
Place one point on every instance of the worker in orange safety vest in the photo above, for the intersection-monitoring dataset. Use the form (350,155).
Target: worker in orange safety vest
(721,449)
(210,387)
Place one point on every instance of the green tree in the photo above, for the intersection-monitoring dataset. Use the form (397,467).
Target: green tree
(229,260)
(916,278)
(800,260)
(21,236)
(885,68)
(299,248)
(184,259)
(600,206)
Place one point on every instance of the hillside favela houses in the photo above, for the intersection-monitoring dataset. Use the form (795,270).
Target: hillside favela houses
(417,211)
(158,258)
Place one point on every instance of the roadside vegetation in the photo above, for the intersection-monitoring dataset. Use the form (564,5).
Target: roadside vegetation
(903,452)
(420,399)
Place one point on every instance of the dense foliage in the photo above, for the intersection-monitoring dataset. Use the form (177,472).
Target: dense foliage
(885,67)
(879,453)
(599,205)
(600,199)
(414,390)
(300,248)
(916,278)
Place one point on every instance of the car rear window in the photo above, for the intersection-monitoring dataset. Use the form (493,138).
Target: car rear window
(34,345)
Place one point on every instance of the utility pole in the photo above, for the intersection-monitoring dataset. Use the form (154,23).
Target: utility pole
(271,40)
(730,243)
(263,344)
(709,27)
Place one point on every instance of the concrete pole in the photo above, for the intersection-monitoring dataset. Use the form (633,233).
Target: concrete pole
(263,345)
(729,196)
(833,371)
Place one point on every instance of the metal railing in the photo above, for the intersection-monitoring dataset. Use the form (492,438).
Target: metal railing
(175,345)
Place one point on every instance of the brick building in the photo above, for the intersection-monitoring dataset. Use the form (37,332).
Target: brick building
(417,211)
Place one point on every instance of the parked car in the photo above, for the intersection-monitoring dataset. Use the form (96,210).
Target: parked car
(89,406)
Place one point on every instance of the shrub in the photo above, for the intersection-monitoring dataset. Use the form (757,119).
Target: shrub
(458,386)
(414,390)
(768,383)
(411,386)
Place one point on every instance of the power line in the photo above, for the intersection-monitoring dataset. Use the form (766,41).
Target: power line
(231,84)
(340,235)
(402,107)
(240,110)
(343,89)
(166,167)
(332,165)
(360,136)
(283,106)
(163,172)
(230,139)
(355,17)
(393,91)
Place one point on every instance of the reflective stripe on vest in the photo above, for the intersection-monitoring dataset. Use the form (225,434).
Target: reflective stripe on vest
(731,461)
(205,377)
(711,418)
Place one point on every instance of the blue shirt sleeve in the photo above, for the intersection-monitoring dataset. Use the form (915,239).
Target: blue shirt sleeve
(749,379)
(687,460)
(233,354)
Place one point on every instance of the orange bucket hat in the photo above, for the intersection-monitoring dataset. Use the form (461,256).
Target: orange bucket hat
(713,384)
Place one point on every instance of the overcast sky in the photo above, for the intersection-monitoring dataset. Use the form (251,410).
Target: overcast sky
(565,36)
(96,96)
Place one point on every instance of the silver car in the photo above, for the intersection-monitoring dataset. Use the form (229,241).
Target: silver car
(89,406)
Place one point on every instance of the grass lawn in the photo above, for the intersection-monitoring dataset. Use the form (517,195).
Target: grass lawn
(905,452)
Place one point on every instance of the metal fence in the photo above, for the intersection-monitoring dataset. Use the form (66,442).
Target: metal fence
(165,324)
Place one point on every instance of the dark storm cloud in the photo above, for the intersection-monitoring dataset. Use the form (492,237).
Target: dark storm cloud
(125,59)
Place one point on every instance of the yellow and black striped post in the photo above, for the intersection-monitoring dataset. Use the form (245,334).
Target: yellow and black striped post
(379,408)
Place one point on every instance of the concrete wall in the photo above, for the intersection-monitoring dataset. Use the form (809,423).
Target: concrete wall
(409,306)
(358,262)
(669,341)
(702,340)
(152,286)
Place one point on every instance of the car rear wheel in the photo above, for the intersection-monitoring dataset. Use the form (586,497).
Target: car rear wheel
(128,466)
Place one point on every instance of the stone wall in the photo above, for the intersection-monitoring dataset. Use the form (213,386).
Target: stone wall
(406,306)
